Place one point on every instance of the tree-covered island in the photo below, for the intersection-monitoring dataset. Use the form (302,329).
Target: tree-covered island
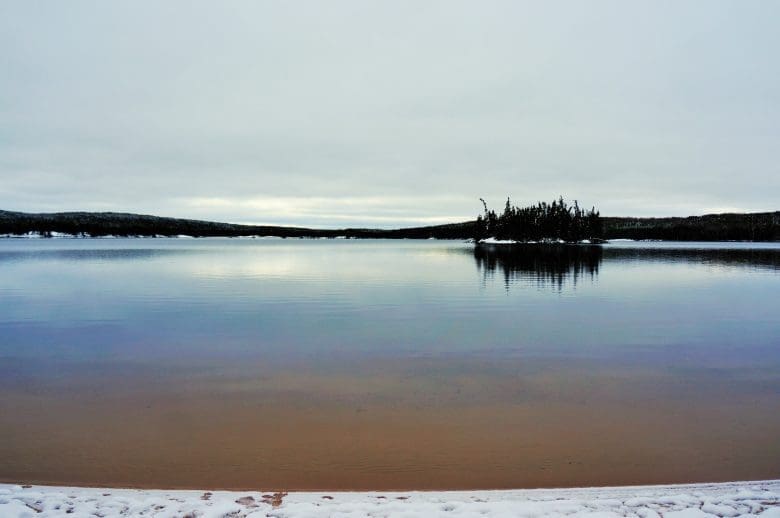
(544,222)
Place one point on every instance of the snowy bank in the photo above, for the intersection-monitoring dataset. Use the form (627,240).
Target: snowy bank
(496,241)
(738,499)
(546,241)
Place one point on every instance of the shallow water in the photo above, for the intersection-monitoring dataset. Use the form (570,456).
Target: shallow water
(327,364)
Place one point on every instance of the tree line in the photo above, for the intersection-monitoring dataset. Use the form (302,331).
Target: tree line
(757,226)
(541,222)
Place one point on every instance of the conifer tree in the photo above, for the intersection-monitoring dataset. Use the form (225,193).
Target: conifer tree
(554,221)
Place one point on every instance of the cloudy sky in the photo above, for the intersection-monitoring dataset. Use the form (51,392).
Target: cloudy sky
(390,113)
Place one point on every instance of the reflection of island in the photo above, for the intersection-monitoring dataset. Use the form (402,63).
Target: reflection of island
(556,265)
(544,264)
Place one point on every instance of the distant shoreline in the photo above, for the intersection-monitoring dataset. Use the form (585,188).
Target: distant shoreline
(752,227)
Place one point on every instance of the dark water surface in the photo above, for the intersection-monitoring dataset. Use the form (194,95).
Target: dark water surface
(303,364)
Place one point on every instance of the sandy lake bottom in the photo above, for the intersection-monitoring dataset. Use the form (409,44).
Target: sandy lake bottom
(386,365)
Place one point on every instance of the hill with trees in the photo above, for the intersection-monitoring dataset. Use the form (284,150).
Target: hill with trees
(99,224)
(757,226)
(763,226)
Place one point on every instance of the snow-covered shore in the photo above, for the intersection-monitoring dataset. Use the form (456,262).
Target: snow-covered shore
(496,241)
(736,499)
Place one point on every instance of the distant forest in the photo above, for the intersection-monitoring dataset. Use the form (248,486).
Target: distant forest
(757,226)
(100,224)
(541,222)
(763,226)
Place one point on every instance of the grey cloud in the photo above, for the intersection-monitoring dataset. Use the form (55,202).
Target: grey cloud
(643,108)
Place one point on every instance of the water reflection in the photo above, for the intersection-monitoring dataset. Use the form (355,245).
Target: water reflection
(385,364)
(96,254)
(552,265)
(750,258)
(559,265)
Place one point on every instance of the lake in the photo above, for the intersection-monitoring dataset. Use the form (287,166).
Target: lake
(341,364)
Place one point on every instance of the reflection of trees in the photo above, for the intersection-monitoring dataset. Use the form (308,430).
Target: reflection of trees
(751,258)
(80,254)
(544,264)
(558,264)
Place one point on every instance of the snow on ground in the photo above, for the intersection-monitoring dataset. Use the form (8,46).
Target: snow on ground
(496,241)
(547,241)
(738,499)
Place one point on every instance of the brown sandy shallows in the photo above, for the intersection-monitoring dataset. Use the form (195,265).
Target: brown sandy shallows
(417,423)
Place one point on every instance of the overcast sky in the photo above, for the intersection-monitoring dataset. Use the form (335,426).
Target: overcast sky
(360,113)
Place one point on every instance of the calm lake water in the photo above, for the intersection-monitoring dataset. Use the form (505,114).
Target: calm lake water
(327,364)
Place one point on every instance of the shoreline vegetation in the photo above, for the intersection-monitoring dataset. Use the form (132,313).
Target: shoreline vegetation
(763,226)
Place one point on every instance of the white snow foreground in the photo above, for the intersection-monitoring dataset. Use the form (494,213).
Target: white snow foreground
(737,499)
